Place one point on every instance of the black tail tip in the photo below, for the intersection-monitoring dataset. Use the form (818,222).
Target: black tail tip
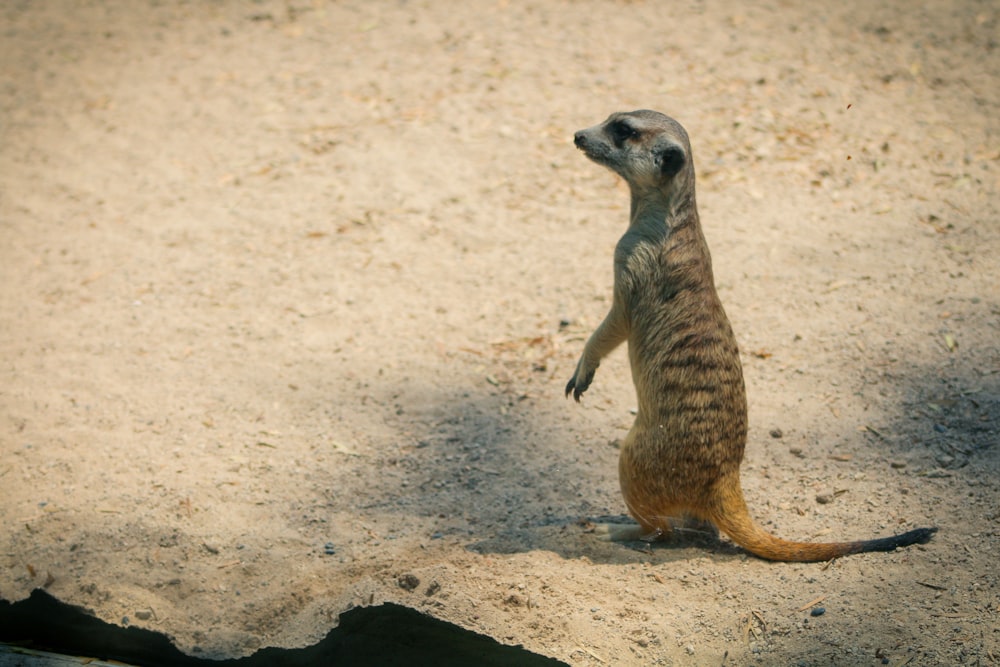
(921,535)
(918,536)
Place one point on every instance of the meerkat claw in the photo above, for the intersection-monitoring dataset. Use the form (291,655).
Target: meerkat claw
(579,387)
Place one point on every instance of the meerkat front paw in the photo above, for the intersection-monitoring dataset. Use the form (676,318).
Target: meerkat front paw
(580,381)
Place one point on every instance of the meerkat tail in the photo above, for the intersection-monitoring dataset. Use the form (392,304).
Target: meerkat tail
(734,520)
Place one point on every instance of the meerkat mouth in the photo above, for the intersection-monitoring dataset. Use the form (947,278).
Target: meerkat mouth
(588,149)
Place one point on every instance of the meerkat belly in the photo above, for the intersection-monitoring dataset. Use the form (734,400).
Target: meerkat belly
(691,421)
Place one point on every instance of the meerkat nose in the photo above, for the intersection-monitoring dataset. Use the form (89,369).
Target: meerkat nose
(578,139)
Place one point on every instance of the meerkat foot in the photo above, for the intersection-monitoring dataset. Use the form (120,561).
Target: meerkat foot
(681,527)
(620,532)
(654,535)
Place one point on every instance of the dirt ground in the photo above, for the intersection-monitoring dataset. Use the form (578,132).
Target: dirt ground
(290,293)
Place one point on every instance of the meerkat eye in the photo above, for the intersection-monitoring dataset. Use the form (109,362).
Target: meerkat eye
(621,131)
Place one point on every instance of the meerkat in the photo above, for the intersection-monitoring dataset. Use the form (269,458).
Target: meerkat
(681,458)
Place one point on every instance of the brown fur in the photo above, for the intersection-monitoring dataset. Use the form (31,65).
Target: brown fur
(682,456)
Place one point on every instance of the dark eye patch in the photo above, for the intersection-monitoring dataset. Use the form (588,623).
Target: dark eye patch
(621,132)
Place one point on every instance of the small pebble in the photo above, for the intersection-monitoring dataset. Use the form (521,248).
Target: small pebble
(776,433)
(824,498)
(408,582)
(144,614)
(329,549)
(945,460)
(817,611)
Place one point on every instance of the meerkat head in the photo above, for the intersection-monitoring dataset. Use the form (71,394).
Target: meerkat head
(649,150)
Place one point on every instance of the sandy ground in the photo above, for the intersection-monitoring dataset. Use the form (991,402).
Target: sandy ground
(290,293)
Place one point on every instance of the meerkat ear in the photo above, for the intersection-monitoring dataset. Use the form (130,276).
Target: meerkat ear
(671,160)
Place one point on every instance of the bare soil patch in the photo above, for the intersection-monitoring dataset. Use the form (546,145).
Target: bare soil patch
(289,293)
